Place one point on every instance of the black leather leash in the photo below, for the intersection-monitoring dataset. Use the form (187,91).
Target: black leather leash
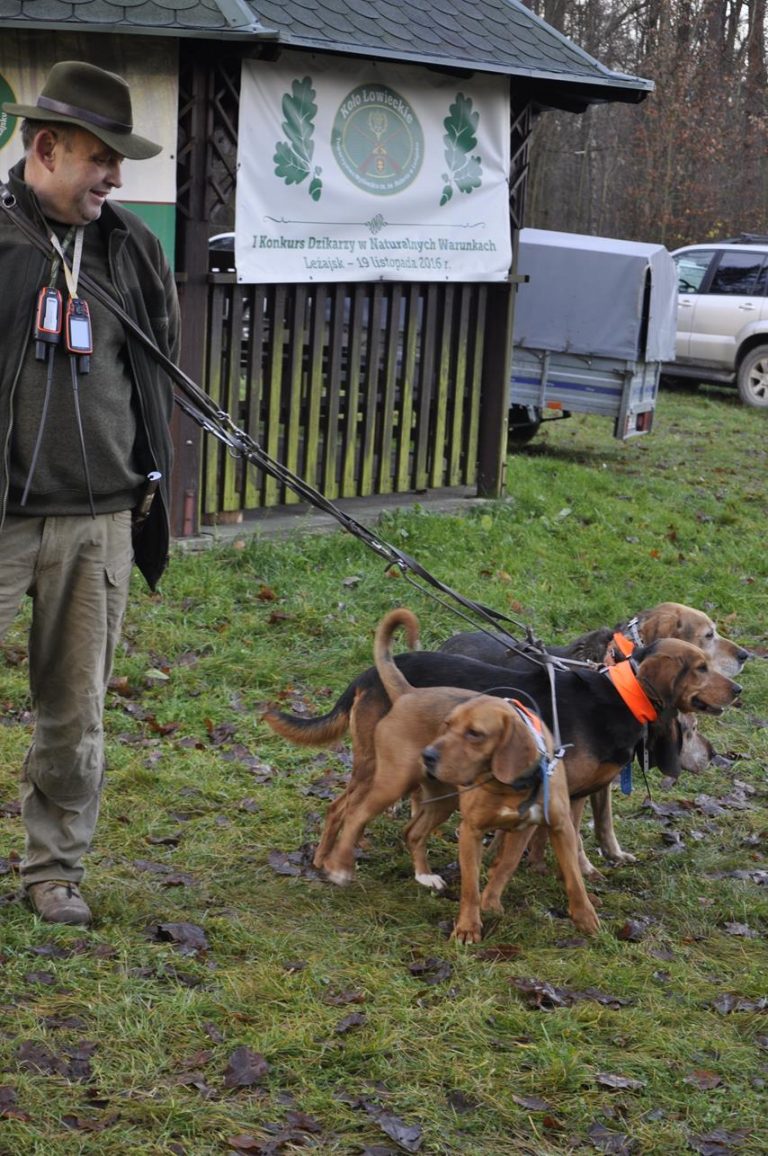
(203,411)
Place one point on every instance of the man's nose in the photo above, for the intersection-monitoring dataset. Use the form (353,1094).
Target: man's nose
(114,175)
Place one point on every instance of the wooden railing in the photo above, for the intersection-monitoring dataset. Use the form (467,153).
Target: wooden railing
(359,389)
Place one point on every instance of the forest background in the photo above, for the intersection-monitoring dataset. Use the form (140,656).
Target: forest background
(688,164)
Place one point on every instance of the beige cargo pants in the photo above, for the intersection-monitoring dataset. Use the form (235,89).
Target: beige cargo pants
(76,571)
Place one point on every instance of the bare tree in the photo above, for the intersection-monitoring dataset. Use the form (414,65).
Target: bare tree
(688,163)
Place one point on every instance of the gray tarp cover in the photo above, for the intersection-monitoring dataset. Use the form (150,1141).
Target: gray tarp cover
(585,295)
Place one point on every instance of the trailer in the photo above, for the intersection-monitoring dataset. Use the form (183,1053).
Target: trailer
(595,317)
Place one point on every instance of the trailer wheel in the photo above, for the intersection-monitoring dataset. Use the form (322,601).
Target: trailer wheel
(524,422)
(752,377)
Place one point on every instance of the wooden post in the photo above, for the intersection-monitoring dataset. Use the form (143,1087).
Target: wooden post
(494,392)
(192,275)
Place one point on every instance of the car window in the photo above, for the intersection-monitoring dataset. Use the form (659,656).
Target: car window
(739,275)
(691,268)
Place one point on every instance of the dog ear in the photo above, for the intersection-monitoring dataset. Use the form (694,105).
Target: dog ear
(663,622)
(665,742)
(515,753)
(658,674)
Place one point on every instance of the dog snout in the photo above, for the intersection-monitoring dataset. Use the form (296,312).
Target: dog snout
(430,758)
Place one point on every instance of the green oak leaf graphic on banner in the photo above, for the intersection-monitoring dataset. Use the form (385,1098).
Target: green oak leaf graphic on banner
(464,170)
(293,157)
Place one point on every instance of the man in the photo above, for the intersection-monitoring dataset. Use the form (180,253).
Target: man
(84,419)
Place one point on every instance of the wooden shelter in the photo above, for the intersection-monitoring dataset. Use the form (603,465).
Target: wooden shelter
(361,389)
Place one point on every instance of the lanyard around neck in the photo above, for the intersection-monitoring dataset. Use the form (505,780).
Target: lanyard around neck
(71,275)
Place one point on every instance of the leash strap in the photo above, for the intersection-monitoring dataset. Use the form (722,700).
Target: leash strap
(547,763)
(633,630)
(203,411)
(625,779)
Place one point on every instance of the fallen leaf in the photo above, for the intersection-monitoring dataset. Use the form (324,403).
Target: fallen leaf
(730,1002)
(544,996)
(607,1080)
(408,1136)
(354,1020)
(612,1143)
(461,1103)
(703,1080)
(741,929)
(245,1068)
(532,1103)
(187,936)
(633,930)
(500,953)
(432,970)
(8,1105)
(718,1143)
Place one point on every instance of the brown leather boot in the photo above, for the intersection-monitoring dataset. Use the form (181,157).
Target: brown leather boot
(59,901)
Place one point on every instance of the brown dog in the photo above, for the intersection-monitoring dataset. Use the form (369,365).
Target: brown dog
(499,758)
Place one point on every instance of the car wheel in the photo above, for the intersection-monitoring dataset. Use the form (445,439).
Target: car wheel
(752,378)
(524,422)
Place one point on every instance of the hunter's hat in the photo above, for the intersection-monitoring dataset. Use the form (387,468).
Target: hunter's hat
(98,101)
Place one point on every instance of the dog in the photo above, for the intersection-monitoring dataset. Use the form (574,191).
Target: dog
(500,759)
(594,719)
(607,645)
(493,753)
(677,746)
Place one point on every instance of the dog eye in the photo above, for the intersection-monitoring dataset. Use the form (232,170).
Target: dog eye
(473,735)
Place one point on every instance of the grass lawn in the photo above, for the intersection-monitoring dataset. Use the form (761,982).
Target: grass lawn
(227,1000)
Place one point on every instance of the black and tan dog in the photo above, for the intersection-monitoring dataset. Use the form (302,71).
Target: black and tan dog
(595,720)
(676,745)
(609,644)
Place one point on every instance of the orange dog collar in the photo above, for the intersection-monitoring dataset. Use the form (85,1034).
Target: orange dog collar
(623,644)
(532,719)
(624,679)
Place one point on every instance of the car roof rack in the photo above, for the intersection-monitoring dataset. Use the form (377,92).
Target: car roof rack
(747,239)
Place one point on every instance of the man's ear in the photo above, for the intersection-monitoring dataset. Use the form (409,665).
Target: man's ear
(43,147)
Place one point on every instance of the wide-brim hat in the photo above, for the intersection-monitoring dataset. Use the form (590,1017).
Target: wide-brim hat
(93,99)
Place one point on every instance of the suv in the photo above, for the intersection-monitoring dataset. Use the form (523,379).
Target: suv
(722,315)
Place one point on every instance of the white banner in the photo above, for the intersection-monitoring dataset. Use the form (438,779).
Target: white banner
(363,171)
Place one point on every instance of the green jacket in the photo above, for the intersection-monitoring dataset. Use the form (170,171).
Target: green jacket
(143,284)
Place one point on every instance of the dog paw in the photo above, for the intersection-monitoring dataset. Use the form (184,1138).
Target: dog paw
(586,921)
(471,934)
(433,882)
(340,877)
(621,857)
(492,904)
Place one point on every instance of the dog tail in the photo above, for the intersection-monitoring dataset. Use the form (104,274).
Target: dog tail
(395,683)
(318,731)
